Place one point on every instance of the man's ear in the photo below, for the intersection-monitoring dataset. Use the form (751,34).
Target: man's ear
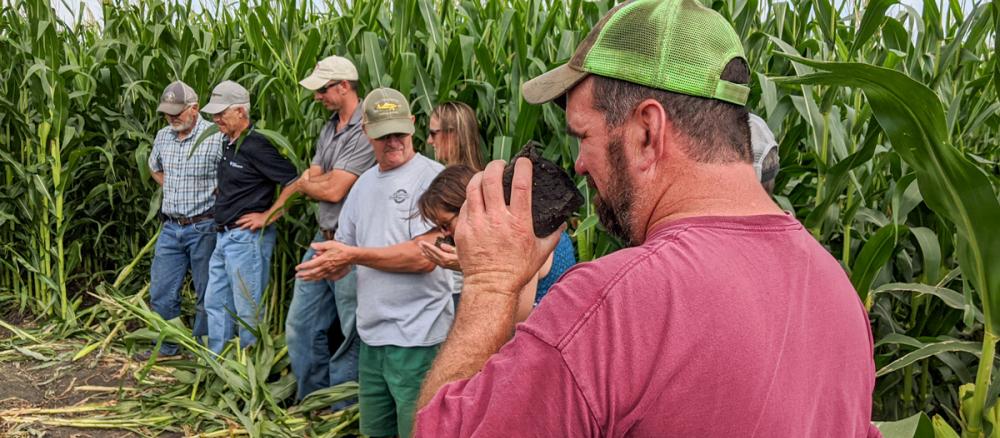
(650,121)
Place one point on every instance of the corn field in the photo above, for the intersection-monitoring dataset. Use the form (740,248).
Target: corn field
(887,115)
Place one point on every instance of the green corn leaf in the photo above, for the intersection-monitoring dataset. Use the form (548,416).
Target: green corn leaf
(949,297)
(929,350)
(284,146)
(916,426)
(874,16)
(942,429)
(930,250)
(913,119)
(874,255)
(374,61)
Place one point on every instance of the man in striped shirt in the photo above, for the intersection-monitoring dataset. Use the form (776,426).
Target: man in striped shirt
(187,171)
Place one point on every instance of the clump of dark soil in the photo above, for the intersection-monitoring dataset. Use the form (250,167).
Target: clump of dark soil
(444,240)
(554,196)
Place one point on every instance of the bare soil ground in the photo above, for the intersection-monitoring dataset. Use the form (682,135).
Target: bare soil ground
(40,384)
(29,385)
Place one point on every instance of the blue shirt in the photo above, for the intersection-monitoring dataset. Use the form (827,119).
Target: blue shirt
(562,259)
(189,178)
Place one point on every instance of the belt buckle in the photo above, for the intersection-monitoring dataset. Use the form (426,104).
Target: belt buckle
(185,221)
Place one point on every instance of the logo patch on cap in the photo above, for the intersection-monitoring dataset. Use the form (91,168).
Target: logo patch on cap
(170,97)
(386,106)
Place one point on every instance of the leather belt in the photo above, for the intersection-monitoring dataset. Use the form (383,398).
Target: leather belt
(185,221)
(329,234)
(226,227)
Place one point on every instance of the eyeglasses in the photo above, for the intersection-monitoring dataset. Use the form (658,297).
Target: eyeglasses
(448,226)
(178,115)
(323,89)
(394,136)
(433,133)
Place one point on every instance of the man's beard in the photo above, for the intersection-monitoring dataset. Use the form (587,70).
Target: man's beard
(615,208)
(181,127)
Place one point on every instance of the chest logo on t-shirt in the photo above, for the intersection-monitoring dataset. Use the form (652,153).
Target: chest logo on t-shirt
(235,164)
(399,196)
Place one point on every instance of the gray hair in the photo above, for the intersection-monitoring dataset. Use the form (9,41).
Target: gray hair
(246,108)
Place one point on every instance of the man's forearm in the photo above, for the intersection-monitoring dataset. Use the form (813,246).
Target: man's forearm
(485,324)
(158,177)
(332,186)
(277,209)
(402,257)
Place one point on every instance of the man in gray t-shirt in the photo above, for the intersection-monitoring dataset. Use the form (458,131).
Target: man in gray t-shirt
(404,301)
(342,154)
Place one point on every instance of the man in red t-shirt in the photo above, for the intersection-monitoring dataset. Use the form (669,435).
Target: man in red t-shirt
(723,317)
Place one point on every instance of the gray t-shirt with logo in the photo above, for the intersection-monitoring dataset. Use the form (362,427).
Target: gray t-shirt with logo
(347,150)
(401,309)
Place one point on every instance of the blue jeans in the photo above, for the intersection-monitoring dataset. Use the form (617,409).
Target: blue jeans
(178,249)
(316,306)
(344,368)
(237,276)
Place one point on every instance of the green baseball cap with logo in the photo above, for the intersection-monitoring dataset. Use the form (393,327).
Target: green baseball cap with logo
(176,98)
(225,95)
(386,112)
(674,45)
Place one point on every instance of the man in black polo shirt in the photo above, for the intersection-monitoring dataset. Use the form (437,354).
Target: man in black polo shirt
(249,171)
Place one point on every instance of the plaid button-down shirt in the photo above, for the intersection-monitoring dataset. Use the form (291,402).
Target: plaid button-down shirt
(189,180)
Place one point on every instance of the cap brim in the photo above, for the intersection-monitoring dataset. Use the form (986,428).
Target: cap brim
(552,84)
(392,126)
(214,108)
(171,108)
(313,82)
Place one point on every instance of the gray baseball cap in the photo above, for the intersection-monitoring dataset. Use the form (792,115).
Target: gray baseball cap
(761,141)
(386,112)
(226,94)
(176,97)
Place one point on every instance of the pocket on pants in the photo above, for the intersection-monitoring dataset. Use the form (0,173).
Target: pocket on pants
(240,235)
(206,227)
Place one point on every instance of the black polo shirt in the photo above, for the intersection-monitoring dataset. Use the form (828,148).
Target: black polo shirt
(249,172)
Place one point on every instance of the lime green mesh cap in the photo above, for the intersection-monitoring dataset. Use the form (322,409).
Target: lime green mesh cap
(674,45)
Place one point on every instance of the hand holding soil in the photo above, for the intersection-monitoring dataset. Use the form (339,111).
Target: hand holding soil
(441,254)
(498,249)
(554,195)
(332,261)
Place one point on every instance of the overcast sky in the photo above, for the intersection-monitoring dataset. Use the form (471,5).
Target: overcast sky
(69,13)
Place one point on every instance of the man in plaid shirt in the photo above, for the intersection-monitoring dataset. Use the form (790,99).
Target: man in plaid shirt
(187,171)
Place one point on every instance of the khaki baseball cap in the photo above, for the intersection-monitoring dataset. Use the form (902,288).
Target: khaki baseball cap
(176,97)
(386,112)
(673,45)
(224,95)
(331,68)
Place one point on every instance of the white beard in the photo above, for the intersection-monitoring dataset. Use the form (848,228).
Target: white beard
(182,127)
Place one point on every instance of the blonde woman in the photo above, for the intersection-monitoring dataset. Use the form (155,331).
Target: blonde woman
(454,134)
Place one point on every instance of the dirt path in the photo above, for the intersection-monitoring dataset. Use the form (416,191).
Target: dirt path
(40,385)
